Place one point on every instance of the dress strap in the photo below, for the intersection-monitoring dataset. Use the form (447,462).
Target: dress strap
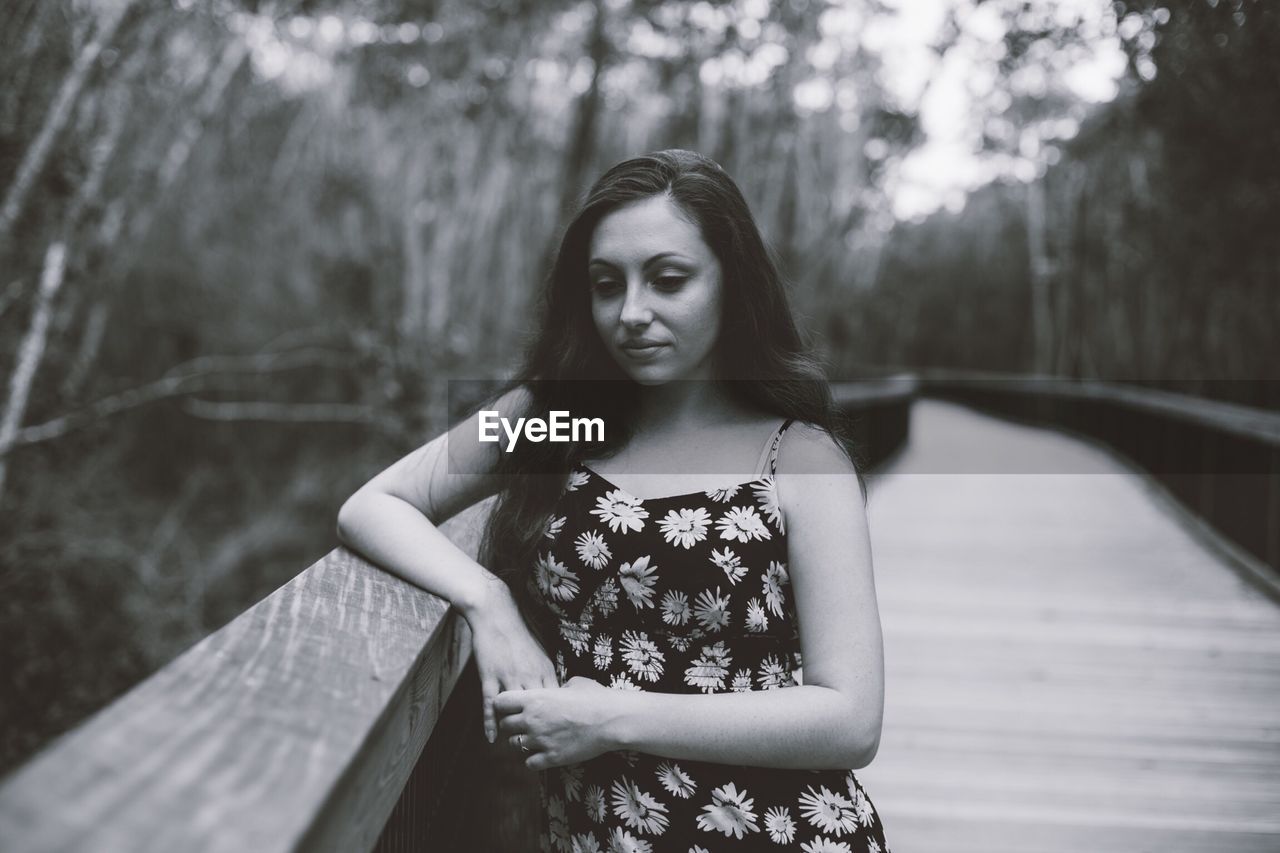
(769,456)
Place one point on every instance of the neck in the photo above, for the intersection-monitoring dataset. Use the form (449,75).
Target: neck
(683,404)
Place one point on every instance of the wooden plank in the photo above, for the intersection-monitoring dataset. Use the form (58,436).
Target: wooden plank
(1066,666)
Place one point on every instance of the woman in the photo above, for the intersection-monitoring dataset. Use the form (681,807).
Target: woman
(648,598)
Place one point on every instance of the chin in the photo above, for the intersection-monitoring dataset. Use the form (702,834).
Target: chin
(650,378)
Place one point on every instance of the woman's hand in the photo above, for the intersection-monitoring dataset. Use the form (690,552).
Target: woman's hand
(507,655)
(561,725)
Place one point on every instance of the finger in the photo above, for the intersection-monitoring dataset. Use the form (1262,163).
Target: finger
(508,702)
(539,761)
(489,688)
(513,724)
(522,743)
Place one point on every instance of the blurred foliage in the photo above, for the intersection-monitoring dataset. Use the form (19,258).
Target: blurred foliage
(290,222)
(1158,255)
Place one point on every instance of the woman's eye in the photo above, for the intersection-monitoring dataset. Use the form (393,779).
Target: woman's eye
(605,286)
(670,282)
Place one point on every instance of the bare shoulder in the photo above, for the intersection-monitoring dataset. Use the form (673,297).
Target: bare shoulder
(809,449)
(818,485)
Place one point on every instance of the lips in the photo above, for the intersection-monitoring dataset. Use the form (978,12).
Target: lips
(642,351)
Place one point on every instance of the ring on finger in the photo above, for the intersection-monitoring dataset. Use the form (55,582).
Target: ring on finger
(520,740)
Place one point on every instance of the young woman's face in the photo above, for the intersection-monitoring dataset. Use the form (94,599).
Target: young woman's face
(656,292)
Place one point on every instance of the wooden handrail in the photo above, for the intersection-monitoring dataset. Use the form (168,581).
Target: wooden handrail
(1223,417)
(901,387)
(292,728)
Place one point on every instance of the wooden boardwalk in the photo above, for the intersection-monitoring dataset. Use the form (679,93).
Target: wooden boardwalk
(1068,668)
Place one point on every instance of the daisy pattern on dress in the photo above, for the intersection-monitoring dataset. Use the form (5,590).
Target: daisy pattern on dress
(741,681)
(571,780)
(779,825)
(722,495)
(709,669)
(828,811)
(621,841)
(756,618)
(773,674)
(712,610)
(592,549)
(685,527)
(675,780)
(826,845)
(772,583)
(554,526)
(621,681)
(638,581)
(606,597)
(554,579)
(558,823)
(862,805)
(675,607)
(577,479)
(873,846)
(562,671)
(730,812)
(638,810)
(594,801)
(679,642)
(729,562)
(585,843)
(602,651)
(641,655)
(576,635)
(742,524)
(621,510)
(767,495)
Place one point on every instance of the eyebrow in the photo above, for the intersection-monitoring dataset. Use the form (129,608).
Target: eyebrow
(661,256)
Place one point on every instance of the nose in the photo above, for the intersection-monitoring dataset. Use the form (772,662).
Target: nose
(635,307)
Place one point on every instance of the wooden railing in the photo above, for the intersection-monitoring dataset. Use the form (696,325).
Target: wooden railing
(1220,460)
(327,717)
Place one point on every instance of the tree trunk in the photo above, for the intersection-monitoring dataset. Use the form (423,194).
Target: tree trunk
(37,155)
(418,212)
(583,139)
(233,57)
(31,351)
(1037,255)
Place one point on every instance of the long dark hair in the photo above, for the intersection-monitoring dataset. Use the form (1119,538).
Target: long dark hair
(567,366)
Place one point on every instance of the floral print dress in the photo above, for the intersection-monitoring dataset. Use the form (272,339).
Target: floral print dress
(683,594)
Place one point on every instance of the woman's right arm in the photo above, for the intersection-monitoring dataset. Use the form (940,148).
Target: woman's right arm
(393,521)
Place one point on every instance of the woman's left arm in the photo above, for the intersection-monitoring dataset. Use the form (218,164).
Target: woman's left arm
(833,720)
